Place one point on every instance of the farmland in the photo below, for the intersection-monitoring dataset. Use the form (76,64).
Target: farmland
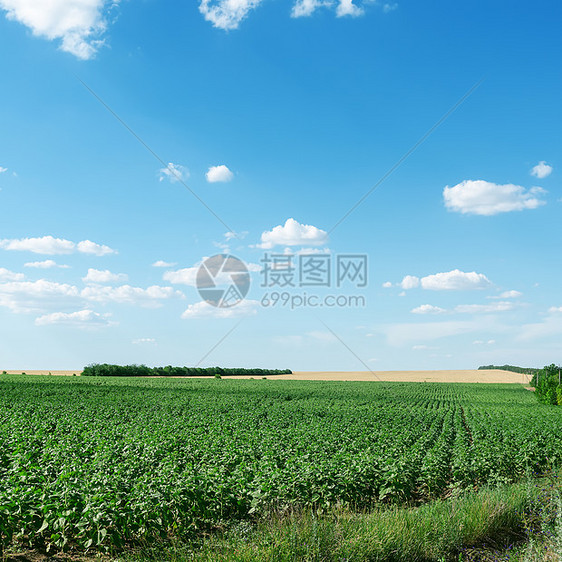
(106,463)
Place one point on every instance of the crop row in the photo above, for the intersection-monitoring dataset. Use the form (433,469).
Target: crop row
(104,462)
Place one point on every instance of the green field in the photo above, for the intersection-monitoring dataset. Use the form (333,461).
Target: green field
(110,463)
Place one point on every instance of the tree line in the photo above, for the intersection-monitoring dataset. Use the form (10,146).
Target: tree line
(107,370)
(513,368)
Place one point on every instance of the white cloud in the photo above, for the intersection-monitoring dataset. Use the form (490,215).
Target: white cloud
(7,275)
(481,197)
(455,280)
(480,342)
(203,310)
(36,296)
(49,245)
(348,8)
(45,245)
(428,309)
(162,263)
(227,14)
(555,309)
(141,341)
(484,308)
(541,170)
(79,319)
(293,233)
(88,247)
(2,170)
(387,284)
(185,276)
(98,276)
(45,264)
(304,8)
(508,295)
(410,282)
(219,174)
(149,297)
(78,24)
(174,173)
(423,347)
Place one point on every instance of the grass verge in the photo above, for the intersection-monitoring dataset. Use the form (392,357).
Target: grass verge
(518,523)
(480,525)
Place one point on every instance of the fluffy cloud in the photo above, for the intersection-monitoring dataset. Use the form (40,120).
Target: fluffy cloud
(77,24)
(293,233)
(348,8)
(219,174)
(88,247)
(174,173)
(304,8)
(481,197)
(227,14)
(7,275)
(98,276)
(45,264)
(79,319)
(150,297)
(387,285)
(162,263)
(2,170)
(455,280)
(185,276)
(203,310)
(144,341)
(541,170)
(428,309)
(49,245)
(36,296)
(410,282)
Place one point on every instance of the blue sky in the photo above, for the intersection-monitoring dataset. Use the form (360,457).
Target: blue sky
(280,116)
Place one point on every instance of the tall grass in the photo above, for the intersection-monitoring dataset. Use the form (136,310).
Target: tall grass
(436,531)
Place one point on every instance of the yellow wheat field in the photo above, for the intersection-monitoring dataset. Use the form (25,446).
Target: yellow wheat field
(474,376)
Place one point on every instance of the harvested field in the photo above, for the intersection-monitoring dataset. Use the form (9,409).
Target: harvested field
(469,376)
